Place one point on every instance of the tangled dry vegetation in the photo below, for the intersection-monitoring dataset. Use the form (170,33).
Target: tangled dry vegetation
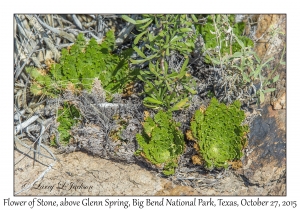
(92,83)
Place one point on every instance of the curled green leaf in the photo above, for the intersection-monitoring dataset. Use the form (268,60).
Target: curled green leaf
(128,19)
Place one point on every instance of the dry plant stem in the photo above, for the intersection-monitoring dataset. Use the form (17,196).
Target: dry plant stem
(218,36)
(59,32)
(100,113)
(35,151)
(62,20)
(35,21)
(110,105)
(92,16)
(24,94)
(49,151)
(20,27)
(19,114)
(84,18)
(93,35)
(100,26)
(17,98)
(37,143)
(28,38)
(19,70)
(24,22)
(24,30)
(19,54)
(230,44)
(80,18)
(77,21)
(162,63)
(90,24)
(39,138)
(23,125)
(50,20)
(59,21)
(64,46)
(125,32)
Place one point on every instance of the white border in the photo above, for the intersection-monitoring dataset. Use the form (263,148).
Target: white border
(153,6)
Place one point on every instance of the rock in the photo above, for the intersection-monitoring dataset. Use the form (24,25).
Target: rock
(265,163)
(269,29)
(279,103)
(171,189)
(78,173)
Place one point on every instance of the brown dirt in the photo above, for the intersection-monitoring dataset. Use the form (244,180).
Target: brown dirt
(81,174)
(78,173)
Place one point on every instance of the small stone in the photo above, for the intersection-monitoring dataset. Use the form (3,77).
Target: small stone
(280,103)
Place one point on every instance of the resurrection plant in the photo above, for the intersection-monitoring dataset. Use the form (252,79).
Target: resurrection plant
(219,133)
(81,64)
(161,141)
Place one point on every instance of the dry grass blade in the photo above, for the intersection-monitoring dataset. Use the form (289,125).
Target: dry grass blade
(100,26)
(59,32)
(19,70)
(25,41)
(77,21)
(34,20)
(35,151)
(124,34)
(23,125)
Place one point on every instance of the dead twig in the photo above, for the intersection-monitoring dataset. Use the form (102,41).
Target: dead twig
(77,21)
(19,70)
(59,32)
(23,125)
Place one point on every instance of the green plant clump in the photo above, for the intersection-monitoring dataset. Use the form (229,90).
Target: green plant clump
(68,116)
(165,88)
(161,141)
(81,65)
(173,33)
(219,133)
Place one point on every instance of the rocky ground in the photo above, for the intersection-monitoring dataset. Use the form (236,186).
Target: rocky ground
(264,164)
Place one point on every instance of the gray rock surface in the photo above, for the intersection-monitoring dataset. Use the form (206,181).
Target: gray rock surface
(78,173)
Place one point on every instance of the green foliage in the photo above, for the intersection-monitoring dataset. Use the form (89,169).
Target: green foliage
(250,66)
(167,90)
(173,32)
(236,53)
(268,80)
(161,141)
(68,116)
(82,64)
(42,82)
(219,34)
(219,133)
(164,88)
